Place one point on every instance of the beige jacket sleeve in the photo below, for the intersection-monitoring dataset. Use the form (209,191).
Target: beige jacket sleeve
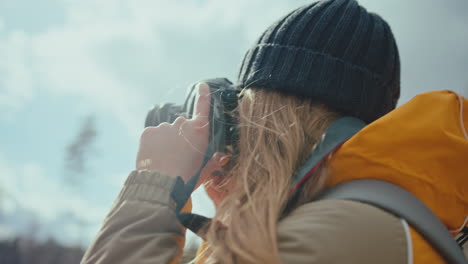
(342,232)
(142,226)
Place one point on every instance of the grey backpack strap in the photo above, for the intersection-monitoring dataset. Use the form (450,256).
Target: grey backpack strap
(337,133)
(401,203)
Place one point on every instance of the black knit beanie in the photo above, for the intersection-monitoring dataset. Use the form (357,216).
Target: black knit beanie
(333,51)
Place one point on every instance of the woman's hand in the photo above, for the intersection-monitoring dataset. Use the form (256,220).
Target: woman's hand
(177,149)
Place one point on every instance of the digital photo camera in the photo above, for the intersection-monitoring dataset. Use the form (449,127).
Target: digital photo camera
(223,119)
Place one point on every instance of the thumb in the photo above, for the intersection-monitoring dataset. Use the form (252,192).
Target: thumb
(202,104)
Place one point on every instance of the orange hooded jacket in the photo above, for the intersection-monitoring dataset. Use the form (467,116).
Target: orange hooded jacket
(421,146)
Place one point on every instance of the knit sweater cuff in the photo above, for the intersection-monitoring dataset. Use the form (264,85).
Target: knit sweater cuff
(150,186)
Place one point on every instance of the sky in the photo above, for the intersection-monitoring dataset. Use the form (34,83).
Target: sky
(62,61)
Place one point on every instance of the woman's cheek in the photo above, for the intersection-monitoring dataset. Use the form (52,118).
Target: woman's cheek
(216,193)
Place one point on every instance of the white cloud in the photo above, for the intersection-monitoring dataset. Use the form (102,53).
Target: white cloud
(34,190)
(27,190)
(84,56)
(16,82)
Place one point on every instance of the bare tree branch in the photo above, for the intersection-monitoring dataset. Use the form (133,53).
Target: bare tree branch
(77,153)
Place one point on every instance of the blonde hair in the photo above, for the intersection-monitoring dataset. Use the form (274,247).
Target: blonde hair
(277,134)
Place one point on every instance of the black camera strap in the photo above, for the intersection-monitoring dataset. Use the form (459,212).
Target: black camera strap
(223,133)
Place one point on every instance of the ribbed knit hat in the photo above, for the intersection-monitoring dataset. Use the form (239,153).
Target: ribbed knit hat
(333,51)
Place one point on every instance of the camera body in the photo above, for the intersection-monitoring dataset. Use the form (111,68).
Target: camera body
(223,118)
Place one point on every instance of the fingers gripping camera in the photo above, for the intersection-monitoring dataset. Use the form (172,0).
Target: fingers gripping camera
(223,118)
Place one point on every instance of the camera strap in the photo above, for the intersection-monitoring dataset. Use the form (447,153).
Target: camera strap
(181,193)
(223,133)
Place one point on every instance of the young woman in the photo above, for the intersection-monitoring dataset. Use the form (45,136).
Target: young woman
(321,62)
